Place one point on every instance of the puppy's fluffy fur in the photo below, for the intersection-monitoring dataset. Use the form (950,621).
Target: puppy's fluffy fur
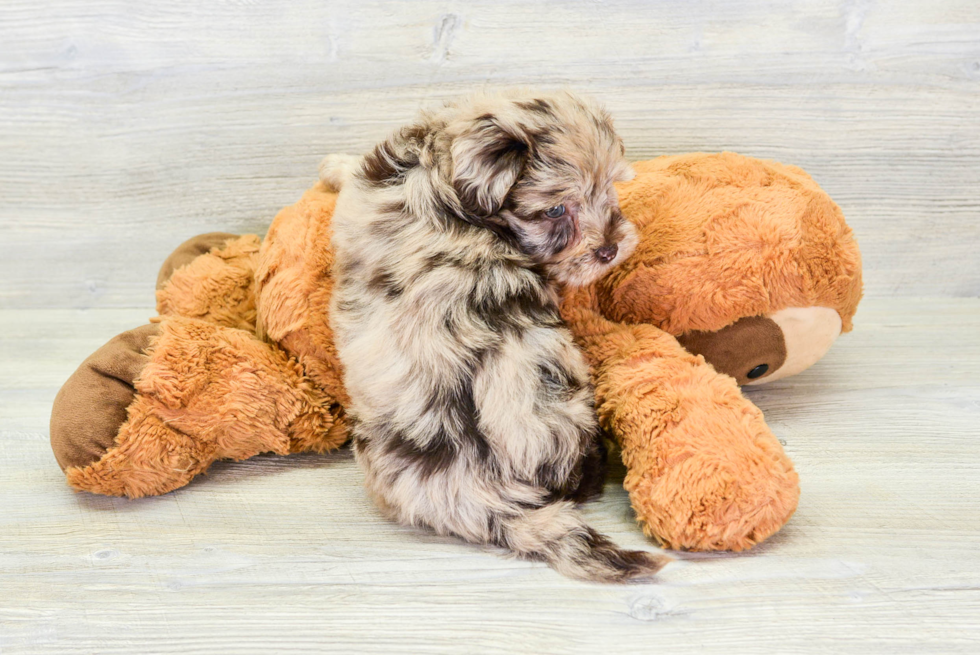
(472,411)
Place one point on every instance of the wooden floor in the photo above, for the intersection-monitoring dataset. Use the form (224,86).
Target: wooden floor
(287,554)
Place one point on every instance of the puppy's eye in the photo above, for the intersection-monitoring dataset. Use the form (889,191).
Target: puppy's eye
(556,211)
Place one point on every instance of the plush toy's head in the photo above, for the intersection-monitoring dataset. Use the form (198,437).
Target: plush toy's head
(747,262)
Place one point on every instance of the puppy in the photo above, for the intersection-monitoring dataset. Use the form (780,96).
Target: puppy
(471,408)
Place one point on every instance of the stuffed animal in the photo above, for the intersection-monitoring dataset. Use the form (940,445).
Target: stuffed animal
(746,272)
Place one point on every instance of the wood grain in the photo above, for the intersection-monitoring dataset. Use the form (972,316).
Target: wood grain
(127,127)
(286,554)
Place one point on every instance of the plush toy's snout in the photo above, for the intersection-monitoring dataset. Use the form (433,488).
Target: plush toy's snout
(808,333)
(760,349)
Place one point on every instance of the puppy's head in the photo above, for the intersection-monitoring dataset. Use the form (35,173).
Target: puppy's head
(538,169)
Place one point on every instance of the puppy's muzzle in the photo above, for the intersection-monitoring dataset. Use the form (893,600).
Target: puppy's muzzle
(606,254)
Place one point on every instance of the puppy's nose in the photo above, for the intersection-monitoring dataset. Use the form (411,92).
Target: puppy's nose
(606,254)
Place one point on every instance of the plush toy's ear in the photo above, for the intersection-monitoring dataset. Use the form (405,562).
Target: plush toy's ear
(487,160)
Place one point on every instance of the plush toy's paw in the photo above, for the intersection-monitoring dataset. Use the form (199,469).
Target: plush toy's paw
(91,405)
(705,473)
(709,503)
(335,170)
(181,396)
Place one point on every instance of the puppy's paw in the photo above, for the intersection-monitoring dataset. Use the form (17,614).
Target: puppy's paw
(335,170)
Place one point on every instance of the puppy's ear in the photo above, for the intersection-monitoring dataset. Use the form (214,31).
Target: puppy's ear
(487,160)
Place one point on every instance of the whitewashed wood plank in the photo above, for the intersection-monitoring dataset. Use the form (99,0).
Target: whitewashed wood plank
(127,128)
(287,555)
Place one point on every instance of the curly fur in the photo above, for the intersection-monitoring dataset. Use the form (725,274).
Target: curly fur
(471,408)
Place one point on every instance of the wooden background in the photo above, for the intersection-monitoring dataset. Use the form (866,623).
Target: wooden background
(126,127)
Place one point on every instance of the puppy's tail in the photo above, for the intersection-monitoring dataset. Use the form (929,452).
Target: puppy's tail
(557,535)
(336,170)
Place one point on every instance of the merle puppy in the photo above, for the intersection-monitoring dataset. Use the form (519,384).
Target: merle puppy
(472,411)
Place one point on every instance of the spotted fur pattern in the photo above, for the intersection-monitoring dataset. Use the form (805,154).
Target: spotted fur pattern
(472,411)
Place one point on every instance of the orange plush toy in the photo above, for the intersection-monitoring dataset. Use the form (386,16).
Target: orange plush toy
(746,272)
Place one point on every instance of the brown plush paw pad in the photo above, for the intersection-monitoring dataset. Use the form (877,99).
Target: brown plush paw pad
(91,406)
